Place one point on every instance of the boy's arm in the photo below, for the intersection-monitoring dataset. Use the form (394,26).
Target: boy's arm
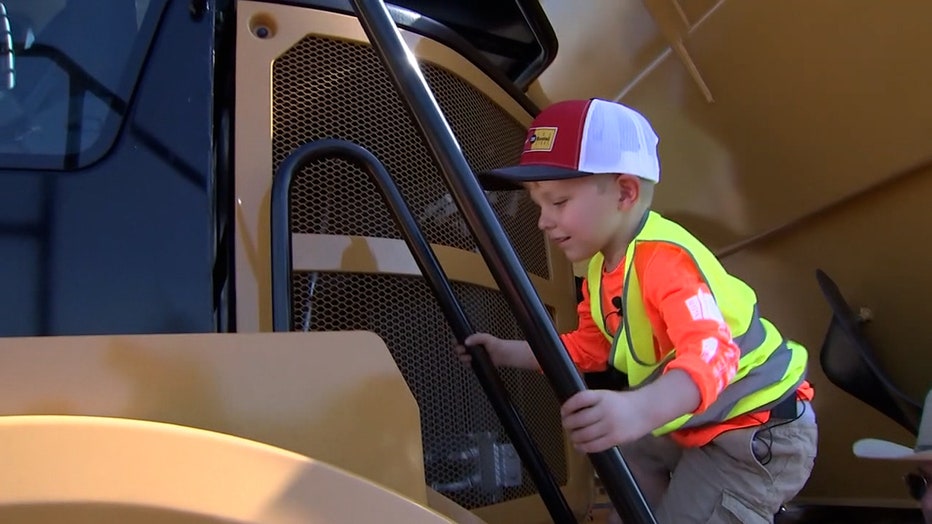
(587,346)
(507,353)
(705,349)
(672,395)
(600,419)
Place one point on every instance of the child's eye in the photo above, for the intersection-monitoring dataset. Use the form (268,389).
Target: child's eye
(560,203)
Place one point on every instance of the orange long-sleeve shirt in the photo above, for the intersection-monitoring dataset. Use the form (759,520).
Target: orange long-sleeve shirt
(683,317)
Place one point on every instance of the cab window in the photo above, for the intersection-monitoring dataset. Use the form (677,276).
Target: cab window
(75,63)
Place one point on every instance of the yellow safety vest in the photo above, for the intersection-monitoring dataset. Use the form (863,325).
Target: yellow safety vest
(770,367)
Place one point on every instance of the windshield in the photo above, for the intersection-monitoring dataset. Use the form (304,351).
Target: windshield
(75,64)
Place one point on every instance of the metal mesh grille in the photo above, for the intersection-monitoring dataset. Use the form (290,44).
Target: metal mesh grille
(326,88)
(402,311)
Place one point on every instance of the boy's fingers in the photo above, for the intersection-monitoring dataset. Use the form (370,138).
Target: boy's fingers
(580,400)
(594,446)
(580,419)
(462,354)
(477,339)
(588,433)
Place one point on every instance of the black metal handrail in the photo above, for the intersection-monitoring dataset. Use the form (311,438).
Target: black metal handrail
(500,256)
(482,365)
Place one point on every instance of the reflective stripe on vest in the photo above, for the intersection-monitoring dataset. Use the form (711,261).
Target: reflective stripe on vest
(769,368)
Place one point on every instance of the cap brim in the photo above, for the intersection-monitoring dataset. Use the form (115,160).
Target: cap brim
(872,448)
(512,177)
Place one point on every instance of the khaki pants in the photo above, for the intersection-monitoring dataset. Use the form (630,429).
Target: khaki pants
(742,476)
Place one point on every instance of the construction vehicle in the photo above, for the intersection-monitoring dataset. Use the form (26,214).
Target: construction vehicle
(237,239)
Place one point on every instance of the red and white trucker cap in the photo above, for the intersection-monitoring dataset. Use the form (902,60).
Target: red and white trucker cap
(577,138)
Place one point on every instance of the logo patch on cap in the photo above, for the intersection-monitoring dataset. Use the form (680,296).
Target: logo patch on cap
(540,139)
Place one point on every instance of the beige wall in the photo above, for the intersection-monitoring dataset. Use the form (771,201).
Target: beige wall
(812,101)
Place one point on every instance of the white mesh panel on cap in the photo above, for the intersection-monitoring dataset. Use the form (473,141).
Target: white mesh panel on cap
(618,139)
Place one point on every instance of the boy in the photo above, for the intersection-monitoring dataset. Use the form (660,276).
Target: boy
(716,425)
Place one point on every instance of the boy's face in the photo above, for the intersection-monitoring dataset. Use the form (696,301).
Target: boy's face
(581,216)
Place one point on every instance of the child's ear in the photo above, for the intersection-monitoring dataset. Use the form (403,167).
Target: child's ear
(629,190)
